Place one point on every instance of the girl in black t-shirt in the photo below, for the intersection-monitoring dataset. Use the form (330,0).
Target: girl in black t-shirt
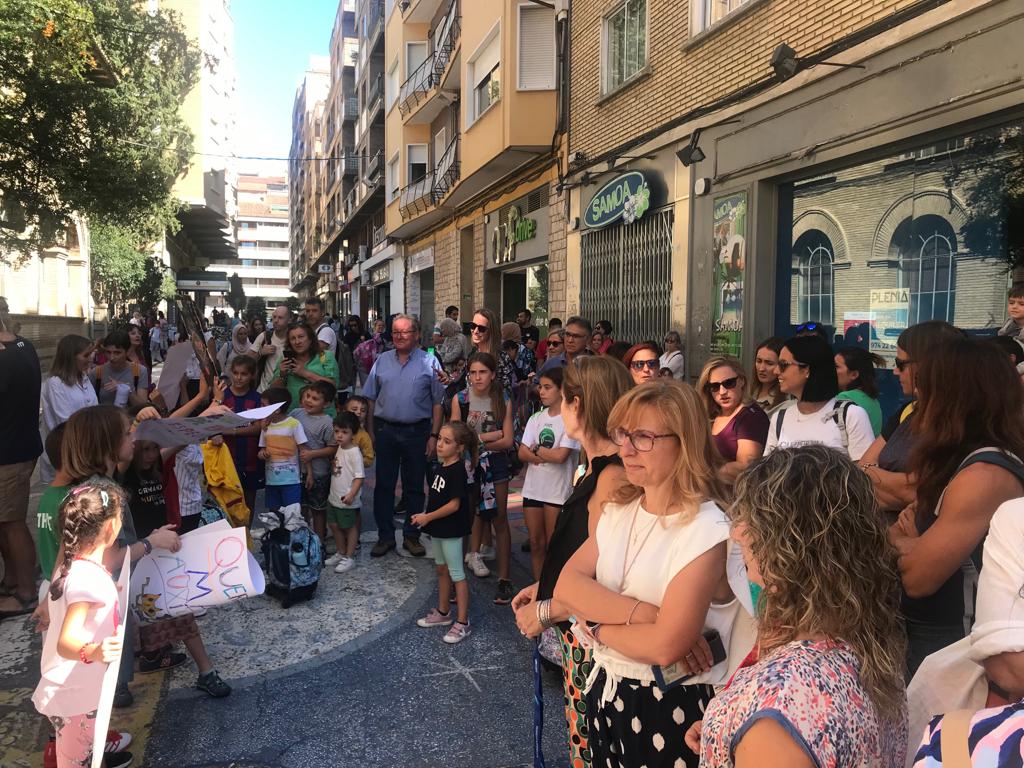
(447,520)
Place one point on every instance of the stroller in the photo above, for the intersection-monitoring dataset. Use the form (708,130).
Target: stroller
(292,554)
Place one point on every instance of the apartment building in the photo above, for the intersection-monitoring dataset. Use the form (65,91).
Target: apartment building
(739,167)
(306,176)
(471,204)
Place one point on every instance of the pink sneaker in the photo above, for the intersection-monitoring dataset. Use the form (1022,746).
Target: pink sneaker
(457,633)
(435,619)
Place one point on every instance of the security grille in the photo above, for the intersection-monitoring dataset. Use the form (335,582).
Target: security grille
(626,276)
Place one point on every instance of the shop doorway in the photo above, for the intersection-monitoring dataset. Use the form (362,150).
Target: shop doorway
(526,287)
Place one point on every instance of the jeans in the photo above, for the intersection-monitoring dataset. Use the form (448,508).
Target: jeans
(400,446)
(925,639)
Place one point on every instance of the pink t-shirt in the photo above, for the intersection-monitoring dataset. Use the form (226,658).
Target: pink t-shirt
(69,687)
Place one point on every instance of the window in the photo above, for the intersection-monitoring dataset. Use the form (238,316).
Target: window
(814,253)
(485,76)
(625,35)
(416,155)
(927,253)
(391,85)
(393,184)
(415,55)
(710,12)
(536,48)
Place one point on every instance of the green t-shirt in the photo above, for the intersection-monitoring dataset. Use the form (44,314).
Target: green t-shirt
(47,520)
(869,404)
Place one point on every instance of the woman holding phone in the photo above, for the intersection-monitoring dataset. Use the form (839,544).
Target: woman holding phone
(304,363)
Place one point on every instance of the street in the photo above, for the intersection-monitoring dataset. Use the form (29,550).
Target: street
(346,679)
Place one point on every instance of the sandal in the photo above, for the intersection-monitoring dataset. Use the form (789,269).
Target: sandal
(27,606)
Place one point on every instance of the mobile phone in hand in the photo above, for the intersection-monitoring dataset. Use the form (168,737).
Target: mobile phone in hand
(675,674)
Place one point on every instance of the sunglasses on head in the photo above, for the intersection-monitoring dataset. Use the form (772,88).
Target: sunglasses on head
(478,327)
(638,365)
(808,327)
(713,386)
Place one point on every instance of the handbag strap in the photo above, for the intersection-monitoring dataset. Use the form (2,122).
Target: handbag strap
(956,727)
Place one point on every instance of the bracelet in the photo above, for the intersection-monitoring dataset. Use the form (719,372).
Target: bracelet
(146,546)
(544,614)
(867,465)
(81,653)
(629,619)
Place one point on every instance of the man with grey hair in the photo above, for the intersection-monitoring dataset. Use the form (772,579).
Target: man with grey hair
(405,393)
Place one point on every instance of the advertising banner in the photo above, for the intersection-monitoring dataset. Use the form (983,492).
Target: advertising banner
(890,315)
(729,246)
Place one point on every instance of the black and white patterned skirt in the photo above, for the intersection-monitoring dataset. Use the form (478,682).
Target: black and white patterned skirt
(640,725)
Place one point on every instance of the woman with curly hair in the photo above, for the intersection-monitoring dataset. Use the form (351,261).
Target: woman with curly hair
(826,686)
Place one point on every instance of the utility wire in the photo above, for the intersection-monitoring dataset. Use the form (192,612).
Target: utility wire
(347,156)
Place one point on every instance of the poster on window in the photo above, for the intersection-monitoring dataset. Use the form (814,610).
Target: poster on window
(729,246)
(890,314)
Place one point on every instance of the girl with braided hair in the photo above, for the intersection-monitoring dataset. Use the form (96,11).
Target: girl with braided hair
(83,603)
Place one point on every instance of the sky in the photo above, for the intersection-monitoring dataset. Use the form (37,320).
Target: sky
(273,42)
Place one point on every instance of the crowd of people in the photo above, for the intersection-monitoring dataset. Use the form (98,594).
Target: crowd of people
(758,570)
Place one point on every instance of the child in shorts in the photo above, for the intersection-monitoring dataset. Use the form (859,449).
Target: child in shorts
(344,503)
(280,440)
(316,456)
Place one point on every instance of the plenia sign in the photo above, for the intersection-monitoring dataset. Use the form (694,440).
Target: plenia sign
(627,197)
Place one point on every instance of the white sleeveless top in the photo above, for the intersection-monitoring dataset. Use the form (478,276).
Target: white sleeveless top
(670,547)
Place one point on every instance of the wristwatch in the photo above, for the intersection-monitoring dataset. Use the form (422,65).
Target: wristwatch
(146,546)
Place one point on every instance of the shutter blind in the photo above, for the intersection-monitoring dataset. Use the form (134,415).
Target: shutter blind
(486,60)
(536,48)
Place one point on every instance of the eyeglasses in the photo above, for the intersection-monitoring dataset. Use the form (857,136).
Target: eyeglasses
(575,336)
(642,440)
(901,365)
(784,364)
(554,344)
(638,365)
(478,327)
(402,333)
(713,386)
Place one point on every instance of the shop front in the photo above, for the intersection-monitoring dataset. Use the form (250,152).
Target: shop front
(383,274)
(516,257)
(420,298)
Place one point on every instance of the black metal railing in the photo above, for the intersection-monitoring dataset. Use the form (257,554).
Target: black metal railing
(446,174)
(451,29)
(417,197)
(416,86)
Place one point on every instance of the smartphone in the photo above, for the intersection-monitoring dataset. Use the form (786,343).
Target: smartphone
(674,674)
(289,354)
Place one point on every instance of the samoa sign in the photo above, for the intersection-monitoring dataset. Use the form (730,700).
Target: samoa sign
(625,197)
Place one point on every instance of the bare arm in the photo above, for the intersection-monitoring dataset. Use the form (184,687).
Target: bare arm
(766,744)
(747,451)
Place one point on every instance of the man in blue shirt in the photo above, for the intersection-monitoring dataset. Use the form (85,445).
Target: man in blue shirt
(405,416)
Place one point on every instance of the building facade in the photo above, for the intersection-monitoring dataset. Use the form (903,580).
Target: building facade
(740,187)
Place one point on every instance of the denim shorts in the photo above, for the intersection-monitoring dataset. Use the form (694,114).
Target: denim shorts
(278,496)
(499,467)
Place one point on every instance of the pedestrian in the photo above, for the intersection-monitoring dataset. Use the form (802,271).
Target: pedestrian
(764,386)
(448,520)
(243,442)
(84,608)
(672,357)
(486,337)
(643,361)
(1014,326)
(824,686)
(486,408)
(317,454)
(576,343)
(119,381)
(967,461)
(855,372)
(47,517)
(257,326)
(238,347)
(618,350)
(281,439)
(452,312)
(553,345)
(304,362)
(344,503)
(360,406)
(67,389)
(271,345)
(590,390)
(524,319)
(739,428)
(654,579)
(807,371)
(156,344)
(551,457)
(602,337)
(138,351)
(20,447)
(554,324)
(405,394)
(315,319)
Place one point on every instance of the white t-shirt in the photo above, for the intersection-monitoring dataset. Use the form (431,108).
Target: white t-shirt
(269,337)
(325,334)
(550,483)
(675,362)
(820,427)
(346,467)
(68,687)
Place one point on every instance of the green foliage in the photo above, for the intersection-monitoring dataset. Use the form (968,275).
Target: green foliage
(256,307)
(236,294)
(124,274)
(293,303)
(90,92)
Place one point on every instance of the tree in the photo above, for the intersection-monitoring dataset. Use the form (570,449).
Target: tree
(124,274)
(236,295)
(90,92)
(256,307)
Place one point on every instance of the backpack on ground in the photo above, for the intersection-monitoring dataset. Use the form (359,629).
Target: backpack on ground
(99,377)
(293,561)
(838,415)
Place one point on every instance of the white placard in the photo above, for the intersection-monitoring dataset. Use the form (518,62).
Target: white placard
(109,687)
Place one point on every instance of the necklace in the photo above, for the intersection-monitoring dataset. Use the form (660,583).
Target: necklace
(627,564)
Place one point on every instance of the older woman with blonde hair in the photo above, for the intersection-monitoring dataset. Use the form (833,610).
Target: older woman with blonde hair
(826,688)
(739,428)
(651,585)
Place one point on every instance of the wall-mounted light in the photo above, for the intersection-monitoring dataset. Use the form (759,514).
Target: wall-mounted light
(786,63)
(691,153)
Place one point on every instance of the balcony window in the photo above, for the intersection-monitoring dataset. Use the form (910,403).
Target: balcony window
(707,13)
(485,75)
(625,36)
(393,184)
(536,48)
(417,158)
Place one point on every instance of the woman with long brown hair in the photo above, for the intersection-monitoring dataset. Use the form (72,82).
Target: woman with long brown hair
(969,440)
(739,428)
(485,333)
(763,388)
(304,363)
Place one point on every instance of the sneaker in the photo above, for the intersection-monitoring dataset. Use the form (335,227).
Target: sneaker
(213,685)
(413,547)
(457,633)
(382,547)
(435,619)
(334,559)
(161,663)
(476,565)
(123,697)
(117,741)
(487,553)
(117,760)
(505,592)
(344,564)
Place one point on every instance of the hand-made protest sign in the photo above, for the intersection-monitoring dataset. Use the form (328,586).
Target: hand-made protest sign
(213,567)
(106,702)
(168,433)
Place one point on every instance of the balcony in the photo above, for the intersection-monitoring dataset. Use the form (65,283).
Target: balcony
(350,110)
(447,171)
(418,197)
(416,88)
(373,167)
(375,98)
(423,95)
(422,207)
(419,11)
(374,22)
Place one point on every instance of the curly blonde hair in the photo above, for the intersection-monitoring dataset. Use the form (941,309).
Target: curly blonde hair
(813,526)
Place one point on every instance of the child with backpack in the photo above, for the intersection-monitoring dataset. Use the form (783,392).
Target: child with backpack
(448,520)
(344,505)
(280,441)
(318,451)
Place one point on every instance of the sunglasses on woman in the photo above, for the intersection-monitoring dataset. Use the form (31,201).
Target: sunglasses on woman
(783,365)
(638,365)
(554,344)
(901,365)
(478,327)
(713,386)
